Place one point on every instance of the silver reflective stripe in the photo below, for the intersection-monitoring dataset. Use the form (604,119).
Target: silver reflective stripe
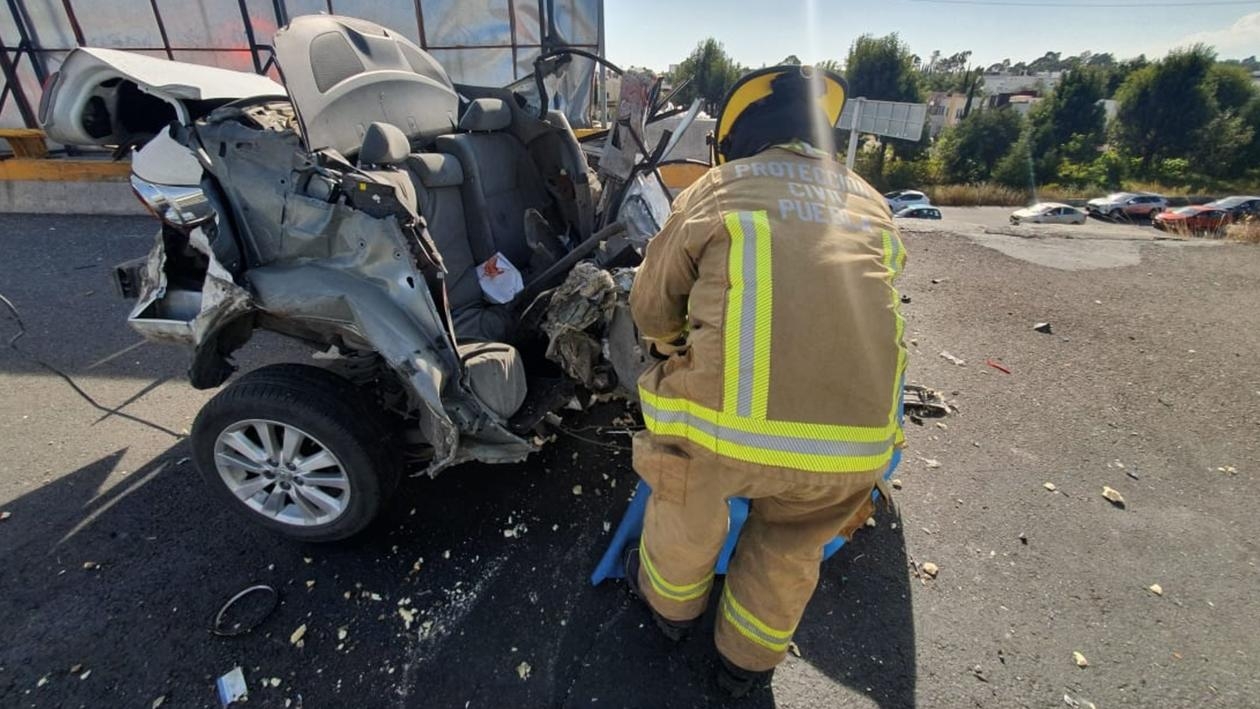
(748,316)
(733,615)
(767,441)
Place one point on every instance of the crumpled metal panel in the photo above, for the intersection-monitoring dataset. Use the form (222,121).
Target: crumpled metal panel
(185,317)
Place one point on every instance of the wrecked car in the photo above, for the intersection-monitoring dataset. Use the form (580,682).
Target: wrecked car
(449,254)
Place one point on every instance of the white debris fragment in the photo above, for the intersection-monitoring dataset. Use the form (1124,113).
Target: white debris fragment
(85,674)
(1113,496)
(953,360)
(408,615)
(274,682)
(577,489)
(90,565)
(232,687)
(607,525)
(523,670)
(931,463)
(930,570)
(5,515)
(1079,659)
(870,521)
(1050,486)
(446,554)
(158,702)
(42,681)
(342,632)
(297,635)
(310,583)
(1156,589)
(794,648)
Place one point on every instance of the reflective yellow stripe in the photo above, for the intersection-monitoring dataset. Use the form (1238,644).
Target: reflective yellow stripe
(792,429)
(894,261)
(751,627)
(674,592)
(734,312)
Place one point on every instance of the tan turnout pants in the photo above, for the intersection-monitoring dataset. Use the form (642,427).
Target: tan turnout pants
(774,570)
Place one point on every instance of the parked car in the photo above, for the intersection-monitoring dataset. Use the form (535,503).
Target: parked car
(919,213)
(1048,213)
(1202,219)
(901,199)
(1122,205)
(351,210)
(1238,206)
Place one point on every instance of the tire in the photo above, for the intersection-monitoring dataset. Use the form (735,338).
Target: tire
(339,494)
(1116,215)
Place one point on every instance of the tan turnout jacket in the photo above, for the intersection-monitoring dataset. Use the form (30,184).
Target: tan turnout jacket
(778,271)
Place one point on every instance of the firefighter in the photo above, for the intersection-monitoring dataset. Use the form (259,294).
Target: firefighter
(768,298)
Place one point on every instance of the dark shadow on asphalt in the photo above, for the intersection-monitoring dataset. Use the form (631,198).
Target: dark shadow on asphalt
(124,582)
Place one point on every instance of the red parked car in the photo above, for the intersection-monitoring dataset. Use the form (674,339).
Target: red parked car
(1193,220)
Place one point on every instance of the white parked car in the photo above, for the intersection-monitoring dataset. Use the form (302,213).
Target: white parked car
(901,199)
(1048,213)
(1121,205)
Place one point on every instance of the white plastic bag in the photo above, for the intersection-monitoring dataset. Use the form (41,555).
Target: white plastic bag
(499,279)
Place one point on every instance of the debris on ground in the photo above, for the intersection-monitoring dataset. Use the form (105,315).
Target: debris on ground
(158,702)
(896,483)
(254,614)
(905,299)
(1043,327)
(930,570)
(931,463)
(953,360)
(1023,539)
(232,687)
(90,565)
(577,489)
(296,637)
(920,402)
(998,366)
(1228,470)
(1156,589)
(1079,659)
(1050,486)
(794,648)
(523,670)
(1079,704)
(1113,496)
(978,671)
(870,521)
(5,515)
(408,615)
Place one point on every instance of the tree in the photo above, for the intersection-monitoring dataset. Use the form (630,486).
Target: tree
(1068,124)
(1231,87)
(970,151)
(830,65)
(1165,106)
(710,73)
(881,68)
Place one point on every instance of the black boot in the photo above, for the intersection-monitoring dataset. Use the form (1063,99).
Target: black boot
(739,682)
(675,630)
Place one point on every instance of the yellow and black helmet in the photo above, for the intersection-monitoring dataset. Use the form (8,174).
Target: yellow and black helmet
(777,105)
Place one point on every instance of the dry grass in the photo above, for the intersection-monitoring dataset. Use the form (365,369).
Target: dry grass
(1248,233)
(977,195)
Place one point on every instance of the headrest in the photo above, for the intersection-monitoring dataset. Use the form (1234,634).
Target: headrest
(436,169)
(485,114)
(383,144)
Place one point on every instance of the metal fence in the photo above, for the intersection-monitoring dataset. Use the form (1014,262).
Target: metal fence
(484,42)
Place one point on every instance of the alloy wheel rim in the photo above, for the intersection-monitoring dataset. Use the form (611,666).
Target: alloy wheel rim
(282,473)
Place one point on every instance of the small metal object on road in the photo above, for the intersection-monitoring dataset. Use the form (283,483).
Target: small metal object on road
(217,626)
(232,687)
(1043,327)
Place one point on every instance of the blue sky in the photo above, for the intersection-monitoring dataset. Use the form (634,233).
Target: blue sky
(656,33)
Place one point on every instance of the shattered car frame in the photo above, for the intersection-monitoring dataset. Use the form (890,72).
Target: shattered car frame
(447,248)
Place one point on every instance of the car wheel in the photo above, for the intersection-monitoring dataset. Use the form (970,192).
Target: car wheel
(1116,214)
(298,450)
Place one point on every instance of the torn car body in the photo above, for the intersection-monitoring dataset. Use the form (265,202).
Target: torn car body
(378,212)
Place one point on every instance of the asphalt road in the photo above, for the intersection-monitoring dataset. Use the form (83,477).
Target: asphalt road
(115,559)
